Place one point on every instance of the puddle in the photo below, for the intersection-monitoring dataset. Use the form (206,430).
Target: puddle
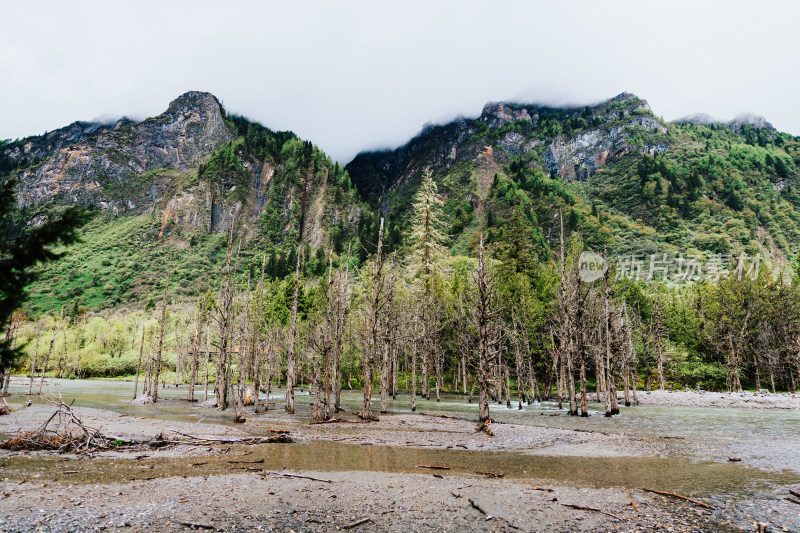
(669,474)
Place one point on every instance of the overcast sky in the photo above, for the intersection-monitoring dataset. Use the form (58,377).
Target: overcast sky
(351,76)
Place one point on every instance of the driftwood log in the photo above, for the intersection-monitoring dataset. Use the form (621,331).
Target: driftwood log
(686,498)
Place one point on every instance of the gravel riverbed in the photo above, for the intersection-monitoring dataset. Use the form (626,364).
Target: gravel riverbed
(375,477)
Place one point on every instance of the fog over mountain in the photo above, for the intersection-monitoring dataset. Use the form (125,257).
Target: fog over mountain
(353,76)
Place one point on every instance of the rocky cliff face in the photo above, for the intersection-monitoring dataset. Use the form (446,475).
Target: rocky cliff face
(573,143)
(100,169)
(193,168)
(167,187)
(34,149)
(580,156)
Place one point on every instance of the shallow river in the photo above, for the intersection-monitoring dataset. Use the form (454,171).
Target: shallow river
(767,440)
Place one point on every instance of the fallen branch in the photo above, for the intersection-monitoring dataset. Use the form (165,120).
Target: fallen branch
(71,435)
(329,421)
(476,506)
(489,474)
(509,524)
(794,493)
(193,524)
(299,476)
(793,500)
(257,461)
(370,418)
(540,488)
(582,508)
(696,502)
(437,467)
(192,439)
(357,523)
(442,416)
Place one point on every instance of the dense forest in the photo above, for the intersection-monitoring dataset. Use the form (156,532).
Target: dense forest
(505,325)
(451,280)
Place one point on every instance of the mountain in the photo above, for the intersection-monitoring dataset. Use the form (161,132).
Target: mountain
(624,178)
(166,191)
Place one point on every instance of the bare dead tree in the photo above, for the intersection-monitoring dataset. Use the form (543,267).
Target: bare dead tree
(342,301)
(139,364)
(204,304)
(244,349)
(38,327)
(484,314)
(162,327)
(224,319)
(258,340)
(416,333)
(609,346)
(372,315)
(387,325)
(657,331)
(328,361)
(290,362)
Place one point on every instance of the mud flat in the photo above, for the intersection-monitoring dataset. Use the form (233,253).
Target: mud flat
(378,477)
(376,501)
(739,400)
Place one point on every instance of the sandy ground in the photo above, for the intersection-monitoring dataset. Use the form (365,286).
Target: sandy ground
(742,400)
(389,502)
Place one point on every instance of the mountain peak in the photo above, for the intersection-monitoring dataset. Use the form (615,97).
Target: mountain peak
(498,114)
(756,121)
(630,99)
(194,101)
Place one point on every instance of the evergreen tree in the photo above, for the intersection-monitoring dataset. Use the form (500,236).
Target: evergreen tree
(427,237)
(21,249)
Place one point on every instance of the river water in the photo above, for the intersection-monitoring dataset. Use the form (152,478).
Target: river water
(768,438)
(768,441)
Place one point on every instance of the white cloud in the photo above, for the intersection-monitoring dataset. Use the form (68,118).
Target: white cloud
(356,75)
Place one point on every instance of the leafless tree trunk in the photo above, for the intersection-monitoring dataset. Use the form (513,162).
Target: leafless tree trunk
(610,384)
(139,364)
(208,355)
(47,357)
(35,354)
(627,360)
(290,361)
(657,331)
(414,362)
(328,362)
(388,324)
(484,313)
(258,341)
(371,325)
(162,325)
(342,302)
(225,322)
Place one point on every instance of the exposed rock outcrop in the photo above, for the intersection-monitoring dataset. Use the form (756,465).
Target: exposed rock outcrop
(101,170)
(586,138)
(579,157)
